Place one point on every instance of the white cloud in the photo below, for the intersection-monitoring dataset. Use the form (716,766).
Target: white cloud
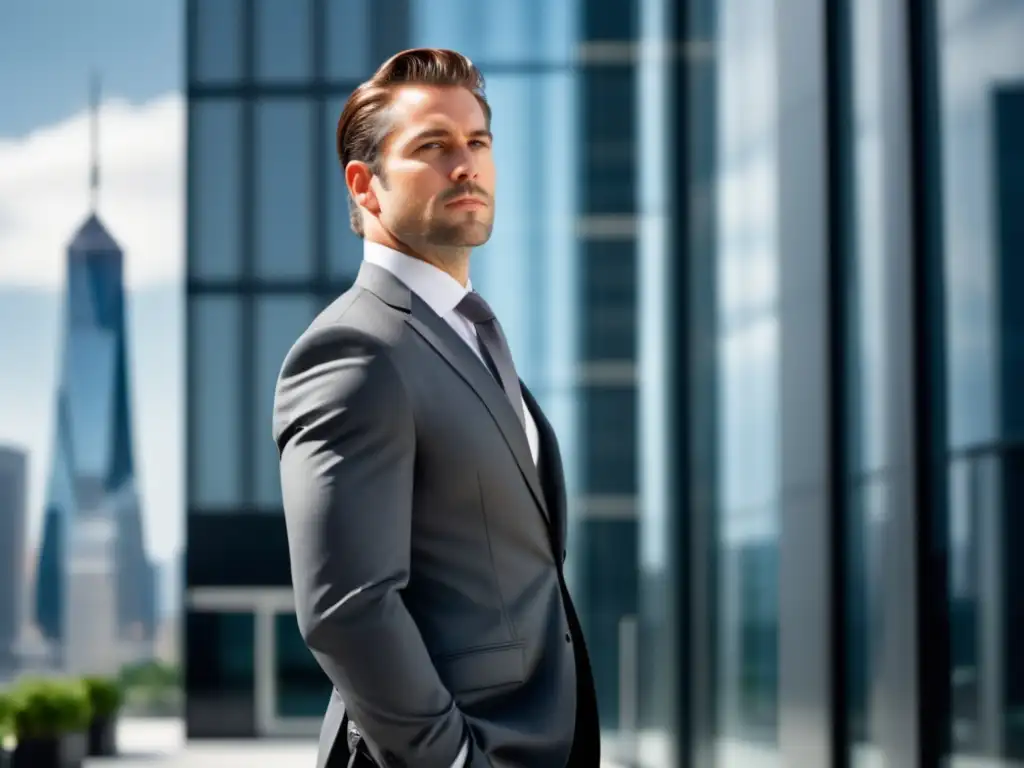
(44,193)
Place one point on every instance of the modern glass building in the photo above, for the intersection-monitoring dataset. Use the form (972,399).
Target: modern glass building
(95,591)
(758,262)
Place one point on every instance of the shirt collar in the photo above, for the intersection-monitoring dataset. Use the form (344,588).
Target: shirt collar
(438,290)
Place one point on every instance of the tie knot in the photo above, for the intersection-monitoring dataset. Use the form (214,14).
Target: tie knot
(474,308)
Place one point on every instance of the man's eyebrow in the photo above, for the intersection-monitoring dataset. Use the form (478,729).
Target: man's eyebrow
(437,133)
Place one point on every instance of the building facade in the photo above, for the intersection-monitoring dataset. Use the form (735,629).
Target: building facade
(95,596)
(13,523)
(757,261)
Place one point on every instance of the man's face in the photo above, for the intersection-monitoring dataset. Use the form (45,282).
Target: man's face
(436,186)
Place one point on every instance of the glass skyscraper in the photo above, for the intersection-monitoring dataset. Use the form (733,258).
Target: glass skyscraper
(95,584)
(756,260)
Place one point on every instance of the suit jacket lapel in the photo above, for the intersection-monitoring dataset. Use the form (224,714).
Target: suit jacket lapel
(459,356)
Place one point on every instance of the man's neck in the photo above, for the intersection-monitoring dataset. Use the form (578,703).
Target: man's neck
(452,261)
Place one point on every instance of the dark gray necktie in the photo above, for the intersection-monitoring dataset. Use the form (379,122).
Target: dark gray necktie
(495,348)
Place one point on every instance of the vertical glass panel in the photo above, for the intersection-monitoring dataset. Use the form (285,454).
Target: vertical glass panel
(220,677)
(497,31)
(214,377)
(503,267)
(981,103)
(217,45)
(866,411)
(748,401)
(303,689)
(284,49)
(660,653)
(214,189)
(344,247)
(284,189)
(348,40)
(280,320)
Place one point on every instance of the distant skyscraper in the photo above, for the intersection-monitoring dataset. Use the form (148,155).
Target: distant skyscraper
(13,472)
(92,559)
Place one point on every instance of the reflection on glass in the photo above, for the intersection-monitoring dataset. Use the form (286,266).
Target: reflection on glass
(303,689)
(507,267)
(748,399)
(220,674)
(217,41)
(284,49)
(981,128)
(498,31)
(214,350)
(348,40)
(344,247)
(215,187)
(284,189)
(280,320)
(866,410)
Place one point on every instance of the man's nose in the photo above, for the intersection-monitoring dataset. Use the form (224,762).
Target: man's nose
(464,167)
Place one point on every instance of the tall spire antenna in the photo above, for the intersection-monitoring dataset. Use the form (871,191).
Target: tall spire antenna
(94,137)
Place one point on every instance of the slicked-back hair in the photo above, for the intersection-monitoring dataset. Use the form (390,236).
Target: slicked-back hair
(364,125)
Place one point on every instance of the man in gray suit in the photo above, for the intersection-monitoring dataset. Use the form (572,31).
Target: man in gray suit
(422,485)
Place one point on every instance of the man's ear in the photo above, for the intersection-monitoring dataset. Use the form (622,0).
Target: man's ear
(357,178)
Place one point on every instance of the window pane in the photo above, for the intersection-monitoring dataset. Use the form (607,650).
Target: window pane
(345,248)
(284,189)
(280,320)
(220,674)
(214,363)
(747,401)
(284,49)
(498,31)
(867,409)
(303,689)
(610,176)
(217,45)
(215,187)
(609,301)
(513,263)
(981,111)
(609,426)
(348,40)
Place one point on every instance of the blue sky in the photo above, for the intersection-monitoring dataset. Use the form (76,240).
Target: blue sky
(48,48)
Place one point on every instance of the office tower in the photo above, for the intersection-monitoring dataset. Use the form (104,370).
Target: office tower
(94,582)
(13,518)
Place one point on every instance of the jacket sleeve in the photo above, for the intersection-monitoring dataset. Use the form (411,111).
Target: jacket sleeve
(344,428)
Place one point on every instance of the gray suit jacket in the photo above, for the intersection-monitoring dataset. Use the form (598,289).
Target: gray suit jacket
(426,547)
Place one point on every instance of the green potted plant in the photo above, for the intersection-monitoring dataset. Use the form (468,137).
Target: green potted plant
(51,718)
(6,728)
(105,697)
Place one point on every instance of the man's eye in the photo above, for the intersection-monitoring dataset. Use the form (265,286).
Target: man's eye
(431,145)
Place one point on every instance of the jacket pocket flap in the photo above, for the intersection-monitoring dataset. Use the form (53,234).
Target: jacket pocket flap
(483,668)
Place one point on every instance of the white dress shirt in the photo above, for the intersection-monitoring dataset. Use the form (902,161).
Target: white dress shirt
(442,293)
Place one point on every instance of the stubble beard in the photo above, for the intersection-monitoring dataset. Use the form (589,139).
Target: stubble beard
(458,235)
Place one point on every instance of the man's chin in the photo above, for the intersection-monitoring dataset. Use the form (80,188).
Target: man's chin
(469,235)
